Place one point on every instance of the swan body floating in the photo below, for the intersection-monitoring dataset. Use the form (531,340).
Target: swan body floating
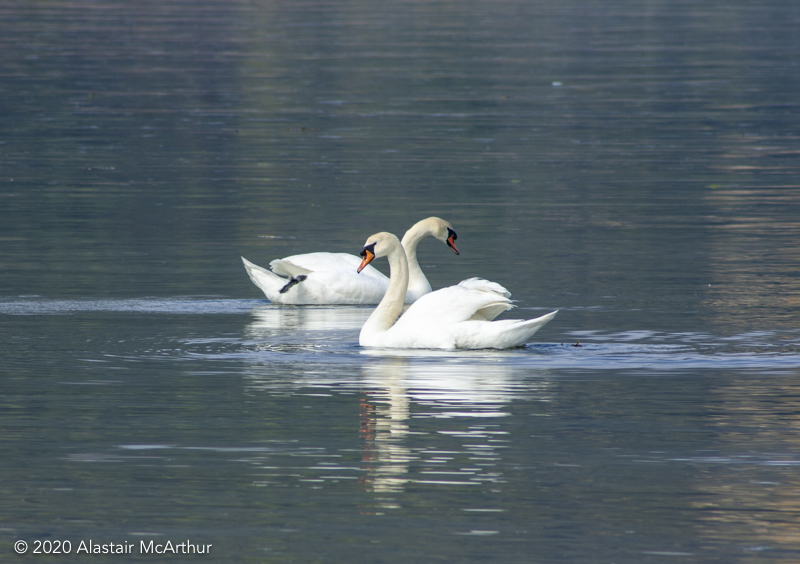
(332,279)
(456,317)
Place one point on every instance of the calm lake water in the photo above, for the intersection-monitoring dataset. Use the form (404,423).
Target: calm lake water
(635,165)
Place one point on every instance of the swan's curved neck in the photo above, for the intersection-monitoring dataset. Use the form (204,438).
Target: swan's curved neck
(417,282)
(391,305)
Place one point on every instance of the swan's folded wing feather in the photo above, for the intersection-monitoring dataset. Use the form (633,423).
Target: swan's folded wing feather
(454,304)
(284,267)
(316,262)
(342,286)
(490,311)
(482,285)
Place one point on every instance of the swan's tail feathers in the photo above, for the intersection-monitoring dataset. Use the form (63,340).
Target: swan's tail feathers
(504,334)
(269,283)
(292,281)
(521,332)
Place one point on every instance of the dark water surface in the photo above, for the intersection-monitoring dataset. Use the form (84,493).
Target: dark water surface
(635,165)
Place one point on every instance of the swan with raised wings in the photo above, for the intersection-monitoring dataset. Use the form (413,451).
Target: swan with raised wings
(331,278)
(456,317)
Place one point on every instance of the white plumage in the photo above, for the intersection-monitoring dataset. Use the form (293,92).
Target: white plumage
(331,278)
(456,317)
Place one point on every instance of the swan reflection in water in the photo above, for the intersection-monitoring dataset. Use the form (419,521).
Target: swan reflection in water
(384,417)
(270,320)
(305,328)
(463,402)
(431,418)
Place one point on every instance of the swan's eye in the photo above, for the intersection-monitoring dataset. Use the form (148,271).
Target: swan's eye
(451,234)
(368,249)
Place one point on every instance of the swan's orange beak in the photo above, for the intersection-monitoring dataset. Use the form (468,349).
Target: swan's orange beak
(367,254)
(451,240)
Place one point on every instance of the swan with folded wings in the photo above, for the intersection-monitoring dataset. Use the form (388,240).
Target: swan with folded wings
(455,317)
(331,278)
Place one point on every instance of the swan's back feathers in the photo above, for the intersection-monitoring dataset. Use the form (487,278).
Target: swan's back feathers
(296,265)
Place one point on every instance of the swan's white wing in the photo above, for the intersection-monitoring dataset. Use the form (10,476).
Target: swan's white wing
(316,262)
(460,317)
(322,261)
(455,304)
(484,286)
(283,267)
(336,287)
(470,334)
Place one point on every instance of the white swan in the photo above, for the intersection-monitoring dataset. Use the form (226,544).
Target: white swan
(331,278)
(456,317)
